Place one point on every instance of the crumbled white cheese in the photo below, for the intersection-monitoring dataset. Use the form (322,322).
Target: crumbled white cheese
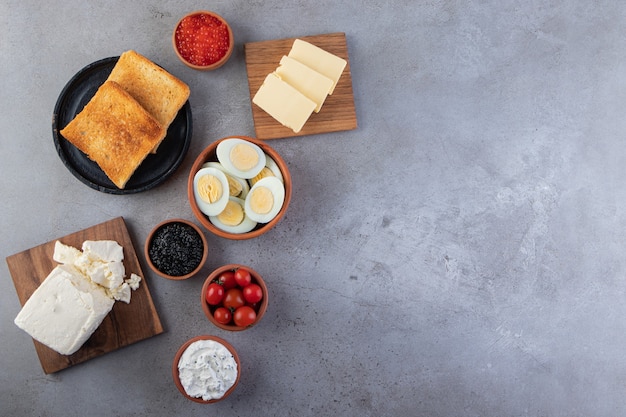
(134,281)
(103,250)
(65,254)
(121,293)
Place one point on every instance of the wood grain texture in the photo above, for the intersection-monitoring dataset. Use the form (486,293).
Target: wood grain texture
(338,112)
(124,325)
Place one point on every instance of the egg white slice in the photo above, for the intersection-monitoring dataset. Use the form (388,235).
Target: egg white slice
(245,226)
(245,187)
(264,188)
(270,169)
(206,207)
(243,168)
(273,166)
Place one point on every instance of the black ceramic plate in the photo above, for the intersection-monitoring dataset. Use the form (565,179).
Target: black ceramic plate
(155,169)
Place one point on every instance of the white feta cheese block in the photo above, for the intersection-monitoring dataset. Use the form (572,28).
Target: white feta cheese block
(64,310)
(103,250)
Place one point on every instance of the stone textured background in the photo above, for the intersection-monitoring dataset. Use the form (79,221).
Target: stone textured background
(460,254)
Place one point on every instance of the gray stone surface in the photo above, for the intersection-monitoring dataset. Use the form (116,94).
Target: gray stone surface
(460,254)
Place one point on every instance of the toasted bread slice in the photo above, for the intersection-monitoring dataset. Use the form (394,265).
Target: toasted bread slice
(115,131)
(158,91)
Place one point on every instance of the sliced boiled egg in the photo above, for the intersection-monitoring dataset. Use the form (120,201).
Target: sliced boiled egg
(233,218)
(210,189)
(269,170)
(273,166)
(265,199)
(237,187)
(240,158)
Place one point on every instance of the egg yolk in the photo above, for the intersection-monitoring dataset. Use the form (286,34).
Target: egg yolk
(265,172)
(261,200)
(209,188)
(234,186)
(232,214)
(244,157)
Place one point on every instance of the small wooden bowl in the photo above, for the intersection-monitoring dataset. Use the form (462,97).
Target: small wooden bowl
(209,154)
(216,64)
(150,239)
(209,309)
(180,352)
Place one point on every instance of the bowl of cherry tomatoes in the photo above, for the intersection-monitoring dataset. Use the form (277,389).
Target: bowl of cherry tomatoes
(234,297)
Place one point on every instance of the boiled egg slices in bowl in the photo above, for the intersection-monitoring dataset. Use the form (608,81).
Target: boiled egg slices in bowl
(265,199)
(258,189)
(270,169)
(241,158)
(237,187)
(233,218)
(211,190)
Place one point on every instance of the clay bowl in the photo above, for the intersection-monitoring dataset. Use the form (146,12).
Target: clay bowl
(209,155)
(176,249)
(175,371)
(198,50)
(260,308)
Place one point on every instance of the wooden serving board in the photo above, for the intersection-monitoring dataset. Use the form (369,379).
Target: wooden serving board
(338,112)
(124,325)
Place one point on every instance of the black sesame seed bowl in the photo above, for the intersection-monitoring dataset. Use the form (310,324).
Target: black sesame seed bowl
(176,249)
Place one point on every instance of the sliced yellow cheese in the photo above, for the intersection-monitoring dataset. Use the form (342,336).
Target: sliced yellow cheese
(318,59)
(284,103)
(306,80)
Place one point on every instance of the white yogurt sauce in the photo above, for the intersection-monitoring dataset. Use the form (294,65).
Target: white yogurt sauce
(207,370)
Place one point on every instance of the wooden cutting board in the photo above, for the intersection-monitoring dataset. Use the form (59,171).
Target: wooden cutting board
(124,325)
(338,112)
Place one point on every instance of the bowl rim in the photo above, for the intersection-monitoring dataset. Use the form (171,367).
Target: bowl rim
(217,64)
(209,152)
(181,350)
(205,250)
(256,278)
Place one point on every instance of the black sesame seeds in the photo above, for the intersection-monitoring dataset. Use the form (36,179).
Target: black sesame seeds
(176,249)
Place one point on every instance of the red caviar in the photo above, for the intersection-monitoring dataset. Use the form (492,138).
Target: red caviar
(202,39)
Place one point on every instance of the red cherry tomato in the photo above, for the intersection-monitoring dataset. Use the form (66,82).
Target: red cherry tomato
(244,316)
(214,294)
(222,315)
(227,280)
(234,299)
(243,277)
(252,293)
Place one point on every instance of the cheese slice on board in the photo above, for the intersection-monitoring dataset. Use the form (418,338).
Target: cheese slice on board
(306,80)
(318,59)
(284,103)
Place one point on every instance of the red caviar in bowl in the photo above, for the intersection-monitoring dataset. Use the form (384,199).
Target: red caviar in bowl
(202,39)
